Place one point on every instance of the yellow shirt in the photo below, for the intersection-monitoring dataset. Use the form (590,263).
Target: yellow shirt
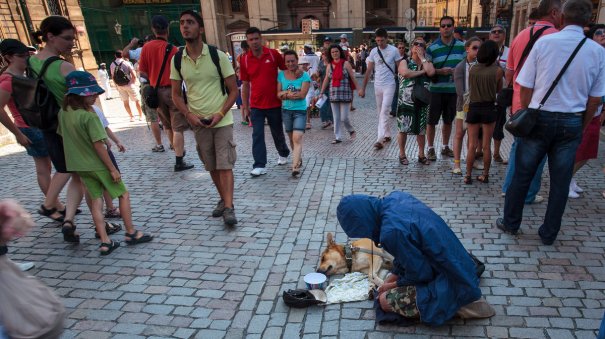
(204,94)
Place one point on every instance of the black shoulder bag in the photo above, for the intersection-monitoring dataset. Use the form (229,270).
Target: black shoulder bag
(522,123)
(150,94)
(396,95)
(505,96)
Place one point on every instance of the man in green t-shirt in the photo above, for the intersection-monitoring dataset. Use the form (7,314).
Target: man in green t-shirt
(208,109)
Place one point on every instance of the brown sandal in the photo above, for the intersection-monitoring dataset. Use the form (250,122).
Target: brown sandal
(404,160)
(484,178)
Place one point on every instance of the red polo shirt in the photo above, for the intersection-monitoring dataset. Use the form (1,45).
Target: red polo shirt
(151,59)
(262,75)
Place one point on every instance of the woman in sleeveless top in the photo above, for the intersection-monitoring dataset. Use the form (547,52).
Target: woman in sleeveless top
(58,35)
(485,80)
(339,76)
(412,117)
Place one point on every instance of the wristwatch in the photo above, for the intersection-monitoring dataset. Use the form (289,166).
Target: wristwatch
(423,60)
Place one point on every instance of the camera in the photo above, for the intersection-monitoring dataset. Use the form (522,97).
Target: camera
(206,121)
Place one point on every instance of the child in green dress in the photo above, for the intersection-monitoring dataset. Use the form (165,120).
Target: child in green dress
(86,154)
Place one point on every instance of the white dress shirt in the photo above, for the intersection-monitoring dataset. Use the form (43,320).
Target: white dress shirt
(584,77)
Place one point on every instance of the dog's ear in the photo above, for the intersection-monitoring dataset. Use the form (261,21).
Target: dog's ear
(330,239)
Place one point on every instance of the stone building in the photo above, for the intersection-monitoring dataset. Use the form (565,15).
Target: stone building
(19,18)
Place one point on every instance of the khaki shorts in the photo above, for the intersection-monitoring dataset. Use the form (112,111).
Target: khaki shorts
(170,116)
(128,92)
(461,115)
(215,147)
(98,181)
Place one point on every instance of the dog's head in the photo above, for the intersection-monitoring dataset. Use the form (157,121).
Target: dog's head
(333,259)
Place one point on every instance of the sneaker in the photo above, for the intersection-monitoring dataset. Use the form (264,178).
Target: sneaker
(503,194)
(574,186)
(229,216)
(25,266)
(431,154)
(538,199)
(219,209)
(502,227)
(572,194)
(158,148)
(447,151)
(183,166)
(258,171)
(282,160)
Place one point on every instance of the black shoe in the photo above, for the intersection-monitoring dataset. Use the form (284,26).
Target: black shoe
(304,298)
(229,216)
(183,166)
(501,226)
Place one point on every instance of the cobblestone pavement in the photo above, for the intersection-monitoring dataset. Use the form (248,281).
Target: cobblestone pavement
(198,280)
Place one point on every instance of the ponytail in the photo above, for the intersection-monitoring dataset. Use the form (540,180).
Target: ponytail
(37,37)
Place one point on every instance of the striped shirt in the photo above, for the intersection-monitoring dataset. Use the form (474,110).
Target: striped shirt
(437,53)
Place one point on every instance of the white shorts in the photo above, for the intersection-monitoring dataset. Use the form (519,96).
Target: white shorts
(128,92)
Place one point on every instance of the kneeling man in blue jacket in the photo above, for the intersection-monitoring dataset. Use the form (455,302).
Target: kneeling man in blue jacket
(433,277)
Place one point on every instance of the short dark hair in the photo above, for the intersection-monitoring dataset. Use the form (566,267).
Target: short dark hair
(472,39)
(337,46)
(74,102)
(195,15)
(577,12)
(533,15)
(446,17)
(545,6)
(55,25)
(290,52)
(118,53)
(488,52)
(381,32)
(253,30)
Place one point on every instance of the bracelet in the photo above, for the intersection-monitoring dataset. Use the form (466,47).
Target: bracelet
(222,114)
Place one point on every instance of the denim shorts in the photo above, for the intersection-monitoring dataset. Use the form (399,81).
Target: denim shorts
(294,120)
(37,148)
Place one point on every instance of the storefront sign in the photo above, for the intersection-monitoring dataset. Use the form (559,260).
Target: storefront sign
(238,37)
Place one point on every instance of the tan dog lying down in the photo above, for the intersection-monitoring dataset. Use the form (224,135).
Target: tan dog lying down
(334,259)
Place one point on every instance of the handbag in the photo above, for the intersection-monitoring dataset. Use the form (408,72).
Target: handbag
(505,96)
(420,95)
(523,121)
(150,93)
(395,100)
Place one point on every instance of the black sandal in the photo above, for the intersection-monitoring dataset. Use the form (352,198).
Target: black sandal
(484,178)
(64,211)
(110,228)
(110,247)
(69,232)
(468,180)
(134,240)
(48,212)
(424,160)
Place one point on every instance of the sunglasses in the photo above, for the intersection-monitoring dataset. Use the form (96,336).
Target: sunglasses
(419,44)
(474,48)
(599,32)
(400,47)
(497,31)
(446,25)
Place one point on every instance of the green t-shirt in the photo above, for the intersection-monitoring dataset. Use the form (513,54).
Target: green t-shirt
(437,53)
(80,129)
(53,78)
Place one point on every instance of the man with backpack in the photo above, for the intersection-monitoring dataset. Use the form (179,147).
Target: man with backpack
(211,92)
(154,65)
(124,76)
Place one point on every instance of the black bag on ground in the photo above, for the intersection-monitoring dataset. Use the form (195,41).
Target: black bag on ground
(150,93)
(34,100)
(119,76)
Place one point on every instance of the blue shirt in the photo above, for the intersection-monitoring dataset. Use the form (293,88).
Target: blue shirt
(293,86)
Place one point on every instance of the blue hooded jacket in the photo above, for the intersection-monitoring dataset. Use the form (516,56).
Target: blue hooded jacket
(428,255)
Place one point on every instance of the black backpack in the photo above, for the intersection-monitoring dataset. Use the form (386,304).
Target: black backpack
(119,76)
(33,98)
(178,57)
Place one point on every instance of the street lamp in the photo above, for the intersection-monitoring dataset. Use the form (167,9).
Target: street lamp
(118,28)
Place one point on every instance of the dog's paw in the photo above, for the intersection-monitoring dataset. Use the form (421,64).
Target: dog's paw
(371,294)
(377,281)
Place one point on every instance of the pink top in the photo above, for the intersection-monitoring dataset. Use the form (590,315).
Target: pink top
(6,84)
(514,56)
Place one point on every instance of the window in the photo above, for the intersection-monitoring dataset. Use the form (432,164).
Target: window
(238,6)
(54,7)
(379,4)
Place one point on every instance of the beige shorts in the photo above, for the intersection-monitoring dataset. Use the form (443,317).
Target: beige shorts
(128,92)
(215,147)
(461,115)
(170,116)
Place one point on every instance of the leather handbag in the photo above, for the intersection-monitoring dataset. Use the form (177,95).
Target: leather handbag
(523,121)
(420,94)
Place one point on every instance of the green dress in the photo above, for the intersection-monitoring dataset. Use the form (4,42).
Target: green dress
(411,118)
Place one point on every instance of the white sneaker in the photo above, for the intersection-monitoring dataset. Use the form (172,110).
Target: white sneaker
(574,186)
(503,194)
(282,160)
(572,194)
(258,171)
(25,266)
(538,199)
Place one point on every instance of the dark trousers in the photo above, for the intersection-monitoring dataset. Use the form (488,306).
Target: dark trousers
(557,135)
(259,149)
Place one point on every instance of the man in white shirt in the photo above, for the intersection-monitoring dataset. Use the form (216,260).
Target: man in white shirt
(384,82)
(312,58)
(561,120)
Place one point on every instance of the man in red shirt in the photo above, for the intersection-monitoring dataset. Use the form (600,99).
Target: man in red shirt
(258,71)
(150,65)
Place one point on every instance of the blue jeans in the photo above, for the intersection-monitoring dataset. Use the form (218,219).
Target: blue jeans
(536,182)
(294,120)
(259,149)
(557,135)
